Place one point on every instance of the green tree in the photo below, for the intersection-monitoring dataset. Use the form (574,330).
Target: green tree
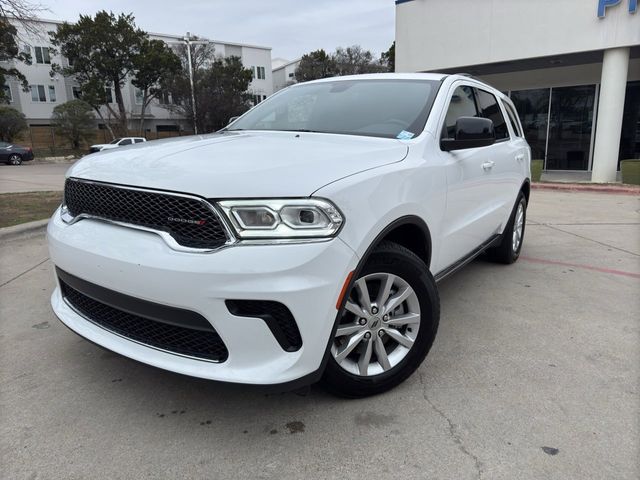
(388,58)
(102,52)
(10,52)
(224,92)
(154,65)
(314,65)
(74,120)
(12,123)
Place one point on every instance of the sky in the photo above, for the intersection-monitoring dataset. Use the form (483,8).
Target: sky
(290,27)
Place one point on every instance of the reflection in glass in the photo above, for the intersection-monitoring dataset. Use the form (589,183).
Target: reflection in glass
(570,128)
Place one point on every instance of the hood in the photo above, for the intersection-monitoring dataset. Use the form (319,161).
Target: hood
(240,165)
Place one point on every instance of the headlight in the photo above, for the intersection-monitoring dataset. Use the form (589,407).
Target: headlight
(283,218)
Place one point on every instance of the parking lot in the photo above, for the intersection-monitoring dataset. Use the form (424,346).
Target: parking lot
(534,374)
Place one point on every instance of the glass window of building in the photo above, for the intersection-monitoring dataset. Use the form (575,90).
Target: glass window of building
(630,140)
(570,125)
(52,93)
(38,93)
(42,55)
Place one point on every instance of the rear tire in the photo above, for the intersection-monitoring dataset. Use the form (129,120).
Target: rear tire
(14,159)
(393,331)
(511,244)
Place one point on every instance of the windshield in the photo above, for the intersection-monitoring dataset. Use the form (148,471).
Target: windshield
(378,108)
(115,141)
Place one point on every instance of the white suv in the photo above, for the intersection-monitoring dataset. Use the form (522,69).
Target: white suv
(301,243)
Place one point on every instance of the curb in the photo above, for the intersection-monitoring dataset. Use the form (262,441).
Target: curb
(581,187)
(24,229)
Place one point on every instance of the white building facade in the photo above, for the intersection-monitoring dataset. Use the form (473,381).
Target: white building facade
(284,74)
(46,91)
(572,67)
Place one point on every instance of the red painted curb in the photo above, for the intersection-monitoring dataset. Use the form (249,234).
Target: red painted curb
(581,187)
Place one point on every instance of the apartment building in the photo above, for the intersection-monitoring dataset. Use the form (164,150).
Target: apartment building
(284,73)
(47,91)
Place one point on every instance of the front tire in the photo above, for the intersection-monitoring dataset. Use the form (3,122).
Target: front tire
(511,244)
(14,159)
(387,326)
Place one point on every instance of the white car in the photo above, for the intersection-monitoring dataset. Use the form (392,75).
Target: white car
(118,142)
(301,243)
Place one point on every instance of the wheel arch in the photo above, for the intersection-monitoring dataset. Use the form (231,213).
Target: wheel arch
(526,189)
(411,232)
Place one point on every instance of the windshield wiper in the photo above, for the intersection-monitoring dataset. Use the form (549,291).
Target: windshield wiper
(304,130)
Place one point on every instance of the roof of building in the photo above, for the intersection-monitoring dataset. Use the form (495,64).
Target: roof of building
(157,34)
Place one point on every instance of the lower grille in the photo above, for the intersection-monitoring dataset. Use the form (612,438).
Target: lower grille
(278,318)
(206,345)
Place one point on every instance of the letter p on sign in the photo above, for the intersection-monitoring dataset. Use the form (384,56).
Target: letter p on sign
(604,4)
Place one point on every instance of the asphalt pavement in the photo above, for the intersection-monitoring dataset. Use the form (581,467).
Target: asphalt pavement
(533,375)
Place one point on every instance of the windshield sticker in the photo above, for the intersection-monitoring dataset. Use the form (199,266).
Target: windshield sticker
(404,135)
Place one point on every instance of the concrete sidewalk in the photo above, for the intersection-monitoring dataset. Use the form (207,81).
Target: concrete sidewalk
(533,375)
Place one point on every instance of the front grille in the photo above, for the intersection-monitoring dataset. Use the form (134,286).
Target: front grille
(206,345)
(190,221)
(277,317)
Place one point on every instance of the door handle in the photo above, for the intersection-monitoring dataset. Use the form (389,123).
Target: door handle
(520,157)
(488,165)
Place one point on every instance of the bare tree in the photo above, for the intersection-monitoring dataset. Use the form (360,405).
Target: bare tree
(23,12)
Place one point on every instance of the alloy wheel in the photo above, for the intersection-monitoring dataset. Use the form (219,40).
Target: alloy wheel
(518,228)
(379,325)
(15,159)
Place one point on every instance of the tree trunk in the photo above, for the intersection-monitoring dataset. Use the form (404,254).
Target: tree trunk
(122,113)
(106,123)
(143,109)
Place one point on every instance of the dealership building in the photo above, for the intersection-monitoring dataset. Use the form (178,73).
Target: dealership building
(572,68)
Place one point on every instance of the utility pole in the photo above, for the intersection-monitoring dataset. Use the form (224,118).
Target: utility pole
(187,40)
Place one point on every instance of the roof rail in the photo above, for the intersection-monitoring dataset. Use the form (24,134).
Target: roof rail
(473,77)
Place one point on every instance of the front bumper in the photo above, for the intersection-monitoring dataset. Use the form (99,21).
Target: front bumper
(306,278)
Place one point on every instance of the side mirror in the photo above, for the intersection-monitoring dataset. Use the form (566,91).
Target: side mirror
(233,119)
(471,132)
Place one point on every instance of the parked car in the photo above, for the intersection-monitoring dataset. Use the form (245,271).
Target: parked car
(118,142)
(13,154)
(303,242)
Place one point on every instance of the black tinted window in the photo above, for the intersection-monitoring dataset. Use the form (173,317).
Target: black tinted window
(126,142)
(513,119)
(490,109)
(462,104)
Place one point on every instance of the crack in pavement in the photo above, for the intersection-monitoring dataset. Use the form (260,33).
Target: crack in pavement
(452,429)
(590,239)
(23,273)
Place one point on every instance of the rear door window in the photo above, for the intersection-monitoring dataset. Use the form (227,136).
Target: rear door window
(489,108)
